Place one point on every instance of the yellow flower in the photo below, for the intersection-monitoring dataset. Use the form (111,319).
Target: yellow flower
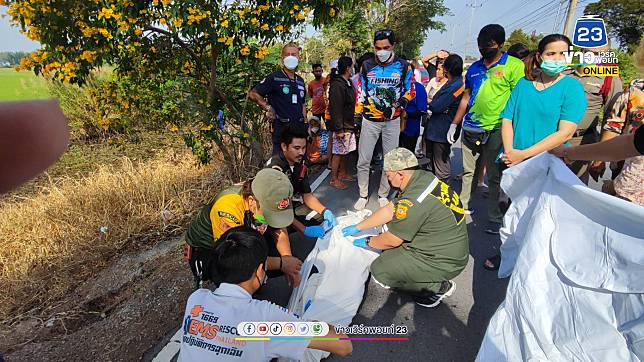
(279,28)
(174,128)
(245,50)
(221,40)
(241,13)
(229,41)
(332,12)
(206,128)
(138,31)
(264,7)
(300,16)
(88,55)
(224,23)
(254,21)
(264,27)
(163,21)
(296,7)
(177,23)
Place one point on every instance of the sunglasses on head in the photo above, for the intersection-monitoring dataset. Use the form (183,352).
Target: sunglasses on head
(383,34)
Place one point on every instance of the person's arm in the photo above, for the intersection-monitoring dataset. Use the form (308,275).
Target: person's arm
(313,202)
(335,106)
(462,107)
(564,133)
(385,241)
(339,347)
(616,149)
(409,88)
(282,242)
(34,134)
(507,134)
(442,100)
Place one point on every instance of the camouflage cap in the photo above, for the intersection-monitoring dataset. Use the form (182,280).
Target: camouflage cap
(399,159)
(274,191)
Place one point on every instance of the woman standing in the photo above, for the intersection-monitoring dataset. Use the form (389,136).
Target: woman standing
(431,88)
(342,101)
(543,110)
(443,107)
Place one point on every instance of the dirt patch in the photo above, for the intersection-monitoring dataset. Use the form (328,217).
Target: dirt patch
(116,316)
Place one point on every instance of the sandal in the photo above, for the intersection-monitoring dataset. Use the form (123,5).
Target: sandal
(495,261)
(338,185)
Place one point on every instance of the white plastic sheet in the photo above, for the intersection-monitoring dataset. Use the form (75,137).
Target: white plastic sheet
(576,257)
(334,294)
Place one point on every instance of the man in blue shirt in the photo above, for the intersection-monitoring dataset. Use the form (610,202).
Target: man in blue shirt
(281,94)
(385,86)
(416,109)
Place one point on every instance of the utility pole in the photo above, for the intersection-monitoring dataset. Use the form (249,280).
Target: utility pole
(555,25)
(451,43)
(473,5)
(569,16)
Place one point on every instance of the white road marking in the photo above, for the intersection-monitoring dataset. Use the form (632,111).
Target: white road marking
(172,348)
(320,178)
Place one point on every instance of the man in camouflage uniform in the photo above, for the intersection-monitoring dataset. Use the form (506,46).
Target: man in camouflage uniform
(424,243)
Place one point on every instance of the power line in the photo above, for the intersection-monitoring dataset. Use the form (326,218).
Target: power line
(530,15)
(510,11)
(535,18)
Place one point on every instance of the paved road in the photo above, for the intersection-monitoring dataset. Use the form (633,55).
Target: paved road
(454,330)
(451,332)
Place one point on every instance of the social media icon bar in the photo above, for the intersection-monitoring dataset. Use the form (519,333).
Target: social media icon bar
(283,329)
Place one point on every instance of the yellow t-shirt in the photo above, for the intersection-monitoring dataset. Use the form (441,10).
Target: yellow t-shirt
(227,212)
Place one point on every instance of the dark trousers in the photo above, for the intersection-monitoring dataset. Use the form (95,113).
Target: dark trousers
(438,155)
(408,142)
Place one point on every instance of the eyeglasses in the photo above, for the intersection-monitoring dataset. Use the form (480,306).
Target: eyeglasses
(383,34)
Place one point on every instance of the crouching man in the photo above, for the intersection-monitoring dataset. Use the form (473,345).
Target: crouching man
(211,317)
(426,243)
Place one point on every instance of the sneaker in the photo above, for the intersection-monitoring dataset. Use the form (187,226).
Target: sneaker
(360,204)
(379,283)
(434,299)
(468,211)
(493,228)
(383,201)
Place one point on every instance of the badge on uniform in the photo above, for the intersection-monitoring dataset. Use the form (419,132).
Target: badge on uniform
(401,211)
(285,89)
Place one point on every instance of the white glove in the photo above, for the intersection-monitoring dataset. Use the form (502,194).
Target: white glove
(451,134)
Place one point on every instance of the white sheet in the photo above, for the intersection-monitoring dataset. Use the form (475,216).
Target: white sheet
(334,294)
(576,257)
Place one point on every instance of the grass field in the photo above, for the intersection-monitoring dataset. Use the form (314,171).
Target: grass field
(21,85)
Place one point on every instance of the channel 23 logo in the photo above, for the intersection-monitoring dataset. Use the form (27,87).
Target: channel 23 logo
(590,32)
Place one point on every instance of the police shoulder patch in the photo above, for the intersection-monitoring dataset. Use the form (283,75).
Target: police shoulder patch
(229,216)
(401,211)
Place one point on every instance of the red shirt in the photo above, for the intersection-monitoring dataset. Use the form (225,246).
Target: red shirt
(316,90)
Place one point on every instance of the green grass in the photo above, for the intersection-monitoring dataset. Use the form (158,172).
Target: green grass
(21,85)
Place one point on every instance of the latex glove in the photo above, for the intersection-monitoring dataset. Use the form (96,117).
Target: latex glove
(350,230)
(451,133)
(329,218)
(361,243)
(316,231)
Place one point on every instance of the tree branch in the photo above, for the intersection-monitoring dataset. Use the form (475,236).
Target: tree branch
(183,45)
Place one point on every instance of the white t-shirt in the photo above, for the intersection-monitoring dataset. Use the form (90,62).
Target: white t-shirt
(225,308)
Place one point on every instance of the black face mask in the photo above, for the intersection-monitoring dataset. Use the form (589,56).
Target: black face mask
(488,53)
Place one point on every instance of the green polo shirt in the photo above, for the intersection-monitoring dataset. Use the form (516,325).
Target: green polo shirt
(429,216)
(490,89)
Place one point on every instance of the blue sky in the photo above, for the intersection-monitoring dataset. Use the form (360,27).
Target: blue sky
(530,15)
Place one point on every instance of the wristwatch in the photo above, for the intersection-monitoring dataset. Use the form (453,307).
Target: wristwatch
(368,240)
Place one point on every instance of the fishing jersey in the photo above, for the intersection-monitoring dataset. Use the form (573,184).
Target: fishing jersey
(383,91)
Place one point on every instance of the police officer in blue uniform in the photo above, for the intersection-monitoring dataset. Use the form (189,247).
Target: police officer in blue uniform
(281,94)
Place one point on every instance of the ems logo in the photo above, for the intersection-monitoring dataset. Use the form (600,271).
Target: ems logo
(196,310)
(499,74)
(283,204)
(401,211)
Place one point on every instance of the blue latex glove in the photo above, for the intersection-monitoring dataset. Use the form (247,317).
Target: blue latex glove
(350,230)
(316,231)
(329,218)
(361,243)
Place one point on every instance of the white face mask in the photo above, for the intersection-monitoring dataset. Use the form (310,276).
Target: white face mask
(290,62)
(384,55)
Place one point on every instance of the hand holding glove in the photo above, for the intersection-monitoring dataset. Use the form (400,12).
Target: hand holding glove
(329,218)
(316,231)
(451,133)
(361,243)
(350,230)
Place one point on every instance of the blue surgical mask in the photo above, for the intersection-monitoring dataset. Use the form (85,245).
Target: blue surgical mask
(553,67)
